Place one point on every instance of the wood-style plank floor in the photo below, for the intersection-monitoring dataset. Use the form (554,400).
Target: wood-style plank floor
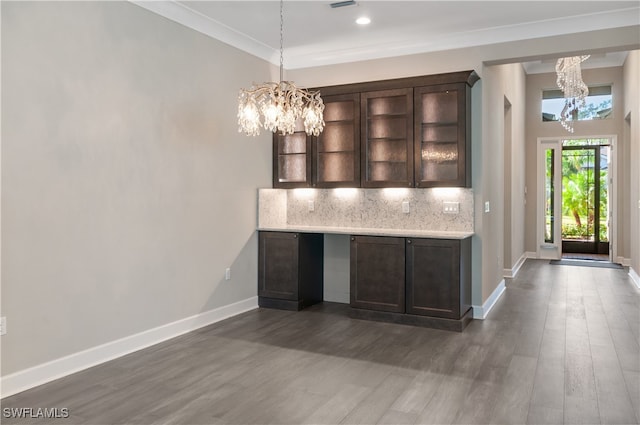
(560,346)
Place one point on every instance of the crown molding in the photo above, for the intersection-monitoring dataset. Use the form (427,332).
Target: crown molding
(322,54)
(206,25)
(307,56)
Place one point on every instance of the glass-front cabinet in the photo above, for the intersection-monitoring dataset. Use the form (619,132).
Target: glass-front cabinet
(407,132)
(441,124)
(292,159)
(387,144)
(337,148)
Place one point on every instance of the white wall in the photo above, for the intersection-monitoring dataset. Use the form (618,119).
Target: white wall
(126,188)
(537,128)
(631,77)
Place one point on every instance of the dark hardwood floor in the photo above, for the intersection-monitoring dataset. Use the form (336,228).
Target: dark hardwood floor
(560,346)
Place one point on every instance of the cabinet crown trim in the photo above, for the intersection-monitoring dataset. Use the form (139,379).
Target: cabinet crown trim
(468,77)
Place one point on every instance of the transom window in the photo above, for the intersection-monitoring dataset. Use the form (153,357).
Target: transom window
(599,104)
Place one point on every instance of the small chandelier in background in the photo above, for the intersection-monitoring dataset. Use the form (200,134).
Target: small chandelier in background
(277,106)
(575,90)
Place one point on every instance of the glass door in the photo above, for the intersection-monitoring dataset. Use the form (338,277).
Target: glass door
(549,199)
(585,190)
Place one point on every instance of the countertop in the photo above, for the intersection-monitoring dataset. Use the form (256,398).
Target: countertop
(433,234)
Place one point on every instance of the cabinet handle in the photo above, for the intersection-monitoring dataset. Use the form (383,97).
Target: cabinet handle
(408,240)
(353,239)
(295,236)
(417,184)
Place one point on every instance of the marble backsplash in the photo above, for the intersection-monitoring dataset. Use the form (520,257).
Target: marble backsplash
(366,208)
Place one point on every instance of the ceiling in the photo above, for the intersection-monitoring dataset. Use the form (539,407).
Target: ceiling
(317,34)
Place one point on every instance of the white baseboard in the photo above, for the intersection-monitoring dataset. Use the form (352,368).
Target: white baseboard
(634,277)
(46,372)
(512,272)
(481,312)
(624,261)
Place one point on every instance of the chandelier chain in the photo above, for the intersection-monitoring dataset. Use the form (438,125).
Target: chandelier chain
(281,40)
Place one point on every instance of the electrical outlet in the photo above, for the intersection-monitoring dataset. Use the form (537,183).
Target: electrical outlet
(311,205)
(227,274)
(3,325)
(451,207)
(405,207)
(487,207)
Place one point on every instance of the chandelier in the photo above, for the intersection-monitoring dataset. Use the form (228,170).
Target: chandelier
(277,106)
(575,90)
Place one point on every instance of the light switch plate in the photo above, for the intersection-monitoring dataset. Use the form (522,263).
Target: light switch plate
(405,207)
(311,206)
(451,207)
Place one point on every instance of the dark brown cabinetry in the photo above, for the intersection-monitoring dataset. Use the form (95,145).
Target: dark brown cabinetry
(336,151)
(387,142)
(330,160)
(377,273)
(438,279)
(292,159)
(290,269)
(442,122)
(408,132)
(416,281)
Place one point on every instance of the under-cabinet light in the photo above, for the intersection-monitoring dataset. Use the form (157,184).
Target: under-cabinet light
(304,193)
(395,192)
(446,192)
(345,192)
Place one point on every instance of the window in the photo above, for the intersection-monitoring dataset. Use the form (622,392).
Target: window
(599,104)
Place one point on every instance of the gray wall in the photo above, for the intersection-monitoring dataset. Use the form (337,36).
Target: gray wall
(126,188)
(505,163)
(631,78)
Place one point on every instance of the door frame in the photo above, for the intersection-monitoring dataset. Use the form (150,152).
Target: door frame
(546,250)
(554,251)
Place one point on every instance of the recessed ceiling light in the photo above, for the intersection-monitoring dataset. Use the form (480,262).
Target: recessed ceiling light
(363,21)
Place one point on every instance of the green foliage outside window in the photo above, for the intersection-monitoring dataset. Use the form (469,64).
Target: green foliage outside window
(578,197)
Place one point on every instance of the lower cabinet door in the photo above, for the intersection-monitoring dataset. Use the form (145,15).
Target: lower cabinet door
(433,277)
(378,273)
(278,265)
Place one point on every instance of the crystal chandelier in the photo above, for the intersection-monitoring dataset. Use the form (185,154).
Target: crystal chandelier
(277,106)
(575,90)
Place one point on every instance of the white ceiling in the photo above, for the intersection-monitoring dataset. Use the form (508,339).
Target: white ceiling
(316,34)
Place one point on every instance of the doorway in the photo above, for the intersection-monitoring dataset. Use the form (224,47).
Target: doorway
(585,198)
(576,192)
